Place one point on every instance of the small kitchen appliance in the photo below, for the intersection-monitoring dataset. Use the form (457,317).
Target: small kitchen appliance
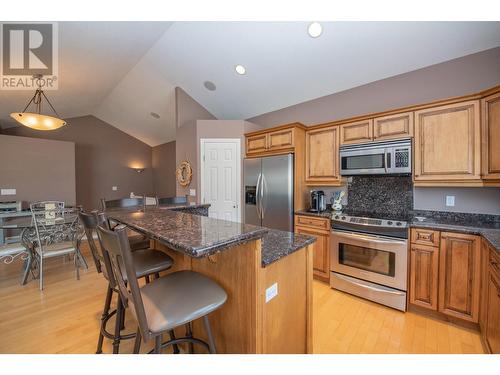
(318,203)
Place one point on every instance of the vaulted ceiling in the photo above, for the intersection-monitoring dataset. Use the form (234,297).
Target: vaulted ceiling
(123,71)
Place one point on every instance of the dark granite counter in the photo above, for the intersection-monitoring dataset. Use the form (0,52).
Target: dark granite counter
(327,213)
(277,244)
(183,206)
(200,236)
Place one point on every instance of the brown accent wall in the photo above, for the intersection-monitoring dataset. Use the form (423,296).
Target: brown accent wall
(104,156)
(163,160)
(187,112)
(462,76)
(38,169)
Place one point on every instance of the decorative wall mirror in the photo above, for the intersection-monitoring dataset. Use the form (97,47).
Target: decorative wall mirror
(184,173)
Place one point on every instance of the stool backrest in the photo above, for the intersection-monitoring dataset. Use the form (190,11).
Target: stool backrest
(90,221)
(117,245)
(122,203)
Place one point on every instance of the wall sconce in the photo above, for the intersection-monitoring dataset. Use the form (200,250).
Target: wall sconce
(138,170)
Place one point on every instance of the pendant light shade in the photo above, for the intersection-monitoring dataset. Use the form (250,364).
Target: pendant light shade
(37,120)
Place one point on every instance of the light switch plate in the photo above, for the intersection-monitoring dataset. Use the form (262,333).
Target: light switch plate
(450,200)
(114,188)
(271,292)
(192,192)
(8,192)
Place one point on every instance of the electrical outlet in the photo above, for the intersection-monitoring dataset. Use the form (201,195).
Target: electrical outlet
(8,192)
(192,192)
(114,188)
(271,292)
(450,200)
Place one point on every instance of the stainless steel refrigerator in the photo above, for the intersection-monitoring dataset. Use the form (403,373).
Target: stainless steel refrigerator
(269,191)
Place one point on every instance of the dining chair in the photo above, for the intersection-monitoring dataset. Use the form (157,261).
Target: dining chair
(137,240)
(149,262)
(57,232)
(172,301)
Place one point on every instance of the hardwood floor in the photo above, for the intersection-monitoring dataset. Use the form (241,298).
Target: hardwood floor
(64,318)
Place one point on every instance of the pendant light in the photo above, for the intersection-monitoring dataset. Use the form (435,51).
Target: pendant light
(36,120)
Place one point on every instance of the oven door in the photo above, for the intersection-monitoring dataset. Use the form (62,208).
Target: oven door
(381,260)
(368,160)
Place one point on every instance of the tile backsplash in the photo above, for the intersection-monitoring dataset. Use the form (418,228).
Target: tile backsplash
(380,194)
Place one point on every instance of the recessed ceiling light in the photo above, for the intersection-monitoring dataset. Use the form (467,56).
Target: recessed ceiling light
(210,86)
(240,69)
(155,115)
(315,29)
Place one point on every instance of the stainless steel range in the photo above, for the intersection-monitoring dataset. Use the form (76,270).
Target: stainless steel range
(369,258)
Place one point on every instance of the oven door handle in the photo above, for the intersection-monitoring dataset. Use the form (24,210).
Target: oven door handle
(350,280)
(368,239)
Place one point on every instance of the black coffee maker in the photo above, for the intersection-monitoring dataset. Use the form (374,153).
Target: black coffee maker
(318,202)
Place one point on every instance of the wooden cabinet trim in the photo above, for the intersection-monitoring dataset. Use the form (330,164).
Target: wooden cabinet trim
(379,133)
(425,236)
(459,292)
(366,128)
(490,128)
(424,271)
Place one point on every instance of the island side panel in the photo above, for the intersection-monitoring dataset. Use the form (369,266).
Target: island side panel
(286,321)
(236,326)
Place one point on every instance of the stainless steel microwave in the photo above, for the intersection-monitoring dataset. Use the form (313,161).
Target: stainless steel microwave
(390,157)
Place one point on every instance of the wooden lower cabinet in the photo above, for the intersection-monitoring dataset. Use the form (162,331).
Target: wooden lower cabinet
(459,276)
(490,327)
(321,248)
(424,268)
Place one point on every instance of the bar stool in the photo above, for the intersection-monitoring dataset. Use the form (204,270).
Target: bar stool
(148,262)
(166,303)
(137,240)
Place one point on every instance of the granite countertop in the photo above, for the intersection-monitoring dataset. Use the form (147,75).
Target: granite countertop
(277,244)
(181,206)
(194,235)
(327,213)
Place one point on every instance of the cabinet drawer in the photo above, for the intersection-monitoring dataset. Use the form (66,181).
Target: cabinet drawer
(313,222)
(256,143)
(280,139)
(425,237)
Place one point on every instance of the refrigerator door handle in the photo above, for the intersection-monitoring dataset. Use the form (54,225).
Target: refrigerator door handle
(258,197)
(263,194)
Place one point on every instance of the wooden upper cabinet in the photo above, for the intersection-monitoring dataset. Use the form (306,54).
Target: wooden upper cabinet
(280,139)
(322,156)
(393,126)
(424,269)
(256,144)
(459,275)
(491,136)
(356,132)
(447,143)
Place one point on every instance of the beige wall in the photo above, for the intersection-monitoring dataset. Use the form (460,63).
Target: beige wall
(38,169)
(462,76)
(104,156)
(163,159)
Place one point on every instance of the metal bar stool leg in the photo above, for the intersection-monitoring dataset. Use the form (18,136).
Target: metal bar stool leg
(211,342)
(158,344)
(118,317)
(27,269)
(105,312)
(122,320)
(175,346)
(189,333)
(137,342)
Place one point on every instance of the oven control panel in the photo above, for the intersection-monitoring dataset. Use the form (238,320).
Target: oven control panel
(369,221)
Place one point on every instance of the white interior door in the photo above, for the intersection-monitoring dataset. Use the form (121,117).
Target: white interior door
(221,178)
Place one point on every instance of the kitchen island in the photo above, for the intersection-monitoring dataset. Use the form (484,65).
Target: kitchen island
(266,273)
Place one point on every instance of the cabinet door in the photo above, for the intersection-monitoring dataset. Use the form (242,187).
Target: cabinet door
(459,278)
(321,252)
(491,136)
(493,312)
(322,156)
(393,126)
(280,139)
(256,143)
(424,268)
(447,143)
(356,132)
(484,285)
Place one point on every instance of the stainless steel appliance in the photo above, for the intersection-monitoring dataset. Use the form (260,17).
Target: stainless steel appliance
(369,258)
(391,157)
(268,185)
(318,202)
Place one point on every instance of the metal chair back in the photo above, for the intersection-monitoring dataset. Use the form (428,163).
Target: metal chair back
(122,203)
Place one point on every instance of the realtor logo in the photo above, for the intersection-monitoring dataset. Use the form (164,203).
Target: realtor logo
(28,49)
